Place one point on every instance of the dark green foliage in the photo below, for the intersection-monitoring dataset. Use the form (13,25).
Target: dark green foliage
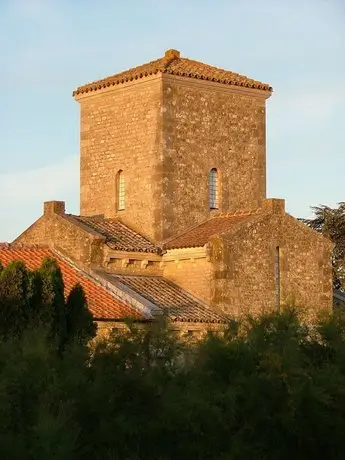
(53,298)
(79,323)
(14,299)
(31,299)
(37,415)
(331,223)
(271,388)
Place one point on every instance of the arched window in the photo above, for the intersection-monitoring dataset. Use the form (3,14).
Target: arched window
(213,194)
(277,276)
(121,193)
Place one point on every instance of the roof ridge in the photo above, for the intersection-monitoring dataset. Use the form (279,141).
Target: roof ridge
(236,213)
(172,63)
(130,275)
(26,245)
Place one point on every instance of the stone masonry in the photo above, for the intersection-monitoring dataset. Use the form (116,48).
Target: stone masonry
(164,125)
(165,133)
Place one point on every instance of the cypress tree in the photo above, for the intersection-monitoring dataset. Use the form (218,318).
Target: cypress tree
(80,325)
(14,287)
(53,299)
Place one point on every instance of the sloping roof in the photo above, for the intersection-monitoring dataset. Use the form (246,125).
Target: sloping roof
(199,235)
(171,63)
(101,303)
(118,235)
(178,304)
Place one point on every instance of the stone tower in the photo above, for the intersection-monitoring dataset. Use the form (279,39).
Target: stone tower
(166,144)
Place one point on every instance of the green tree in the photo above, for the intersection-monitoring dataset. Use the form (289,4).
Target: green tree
(30,299)
(331,223)
(14,299)
(53,299)
(79,322)
(38,398)
(270,387)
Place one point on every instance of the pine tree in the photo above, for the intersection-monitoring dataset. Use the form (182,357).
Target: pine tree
(331,223)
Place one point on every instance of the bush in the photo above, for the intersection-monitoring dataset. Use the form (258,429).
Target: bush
(268,388)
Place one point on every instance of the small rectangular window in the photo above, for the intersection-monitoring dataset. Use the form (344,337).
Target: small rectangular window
(121,191)
(277,276)
(213,189)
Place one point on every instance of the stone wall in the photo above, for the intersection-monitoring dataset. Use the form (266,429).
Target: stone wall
(244,263)
(208,125)
(195,276)
(183,330)
(165,133)
(55,230)
(121,130)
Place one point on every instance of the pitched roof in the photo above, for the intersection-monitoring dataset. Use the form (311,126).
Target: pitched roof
(118,235)
(199,235)
(101,303)
(170,298)
(171,63)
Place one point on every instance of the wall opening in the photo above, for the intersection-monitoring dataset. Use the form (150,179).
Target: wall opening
(120,191)
(277,276)
(213,190)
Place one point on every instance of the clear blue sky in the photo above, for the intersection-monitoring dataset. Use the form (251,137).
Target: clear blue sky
(49,47)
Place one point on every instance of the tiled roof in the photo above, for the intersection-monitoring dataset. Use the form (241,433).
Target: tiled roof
(198,236)
(171,63)
(101,303)
(118,235)
(173,300)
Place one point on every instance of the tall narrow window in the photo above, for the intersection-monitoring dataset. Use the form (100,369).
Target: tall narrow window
(277,276)
(213,197)
(121,193)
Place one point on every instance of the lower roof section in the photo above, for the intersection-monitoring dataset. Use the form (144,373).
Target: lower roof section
(117,235)
(166,296)
(102,302)
(114,297)
(200,234)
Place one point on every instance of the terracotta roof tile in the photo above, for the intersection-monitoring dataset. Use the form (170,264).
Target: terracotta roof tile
(173,64)
(102,304)
(199,235)
(176,302)
(118,235)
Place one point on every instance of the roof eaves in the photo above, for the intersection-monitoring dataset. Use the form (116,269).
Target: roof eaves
(163,65)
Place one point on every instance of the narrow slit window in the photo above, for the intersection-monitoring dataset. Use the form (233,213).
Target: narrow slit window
(121,192)
(213,189)
(277,276)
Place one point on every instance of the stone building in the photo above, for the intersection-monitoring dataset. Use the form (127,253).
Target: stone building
(173,210)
